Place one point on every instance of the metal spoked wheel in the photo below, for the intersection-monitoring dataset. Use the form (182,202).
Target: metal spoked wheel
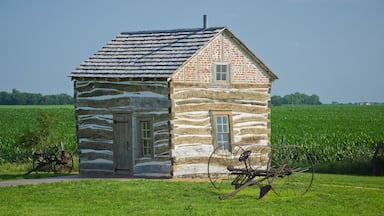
(219,164)
(39,163)
(259,157)
(293,171)
(36,158)
(64,163)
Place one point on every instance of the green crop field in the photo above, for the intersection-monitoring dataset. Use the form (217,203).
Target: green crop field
(329,133)
(15,120)
(332,133)
(330,126)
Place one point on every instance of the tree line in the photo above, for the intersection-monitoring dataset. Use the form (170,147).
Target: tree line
(296,98)
(17,97)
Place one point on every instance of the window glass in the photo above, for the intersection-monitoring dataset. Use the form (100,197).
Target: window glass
(221,72)
(222,126)
(146,139)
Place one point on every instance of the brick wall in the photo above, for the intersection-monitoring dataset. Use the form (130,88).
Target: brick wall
(222,49)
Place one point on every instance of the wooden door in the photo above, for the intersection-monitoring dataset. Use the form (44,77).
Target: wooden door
(122,144)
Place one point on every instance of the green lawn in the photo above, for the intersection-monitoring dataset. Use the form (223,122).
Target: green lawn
(330,195)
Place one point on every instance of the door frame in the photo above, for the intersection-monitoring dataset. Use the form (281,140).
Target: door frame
(123,130)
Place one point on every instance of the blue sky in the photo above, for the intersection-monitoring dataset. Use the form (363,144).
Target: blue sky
(332,48)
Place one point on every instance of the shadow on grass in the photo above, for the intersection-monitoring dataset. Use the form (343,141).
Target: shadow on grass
(347,167)
(20,176)
(16,171)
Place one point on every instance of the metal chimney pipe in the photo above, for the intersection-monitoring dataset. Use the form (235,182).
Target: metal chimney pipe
(205,20)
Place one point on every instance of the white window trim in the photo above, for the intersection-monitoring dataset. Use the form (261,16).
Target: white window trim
(228,73)
(140,150)
(215,113)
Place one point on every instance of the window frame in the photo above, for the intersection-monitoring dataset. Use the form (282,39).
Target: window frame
(140,140)
(215,132)
(227,72)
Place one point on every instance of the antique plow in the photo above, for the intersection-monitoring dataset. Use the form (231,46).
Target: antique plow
(286,170)
(55,159)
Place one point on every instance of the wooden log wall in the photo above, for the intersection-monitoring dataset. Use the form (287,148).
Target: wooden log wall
(96,101)
(192,135)
(195,95)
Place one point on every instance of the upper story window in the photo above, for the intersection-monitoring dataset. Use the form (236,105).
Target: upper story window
(221,72)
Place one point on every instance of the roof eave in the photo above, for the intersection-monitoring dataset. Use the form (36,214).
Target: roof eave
(198,51)
(121,76)
(271,74)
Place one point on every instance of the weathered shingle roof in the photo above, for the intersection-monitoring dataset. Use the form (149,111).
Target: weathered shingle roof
(146,53)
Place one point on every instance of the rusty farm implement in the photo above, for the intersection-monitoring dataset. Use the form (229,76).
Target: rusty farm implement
(286,170)
(54,159)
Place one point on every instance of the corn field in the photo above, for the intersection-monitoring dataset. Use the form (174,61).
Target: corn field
(330,133)
(15,121)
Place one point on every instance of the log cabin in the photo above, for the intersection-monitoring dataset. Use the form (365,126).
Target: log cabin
(157,103)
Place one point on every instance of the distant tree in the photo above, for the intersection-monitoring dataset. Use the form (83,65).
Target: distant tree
(65,99)
(278,100)
(295,98)
(288,99)
(17,97)
(314,100)
(5,98)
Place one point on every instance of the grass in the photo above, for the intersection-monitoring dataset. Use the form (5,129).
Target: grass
(330,195)
(15,171)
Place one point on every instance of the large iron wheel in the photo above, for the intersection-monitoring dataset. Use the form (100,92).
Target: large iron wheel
(258,159)
(220,163)
(64,162)
(40,162)
(291,169)
(230,170)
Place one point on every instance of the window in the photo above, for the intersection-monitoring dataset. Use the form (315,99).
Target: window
(145,138)
(222,136)
(222,131)
(221,72)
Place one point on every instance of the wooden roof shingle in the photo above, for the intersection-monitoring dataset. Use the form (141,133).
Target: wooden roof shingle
(146,53)
(152,54)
